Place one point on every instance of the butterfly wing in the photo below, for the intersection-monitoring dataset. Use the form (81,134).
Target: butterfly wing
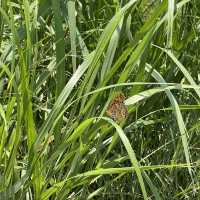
(116,109)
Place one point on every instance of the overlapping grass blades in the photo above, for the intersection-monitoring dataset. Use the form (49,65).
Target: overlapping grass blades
(62,62)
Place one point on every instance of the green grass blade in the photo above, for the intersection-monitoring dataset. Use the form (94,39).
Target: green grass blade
(131,154)
(170,13)
(179,118)
(72,30)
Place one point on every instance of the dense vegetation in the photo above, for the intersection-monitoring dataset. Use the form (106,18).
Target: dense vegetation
(61,65)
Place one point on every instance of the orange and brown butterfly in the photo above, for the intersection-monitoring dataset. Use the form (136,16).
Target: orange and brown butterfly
(116,109)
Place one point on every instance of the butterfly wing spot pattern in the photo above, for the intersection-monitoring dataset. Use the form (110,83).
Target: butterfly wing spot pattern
(116,109)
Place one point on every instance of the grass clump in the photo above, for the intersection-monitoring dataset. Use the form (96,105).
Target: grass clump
(62,66)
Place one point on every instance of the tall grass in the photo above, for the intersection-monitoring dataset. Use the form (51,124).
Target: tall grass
(62,63)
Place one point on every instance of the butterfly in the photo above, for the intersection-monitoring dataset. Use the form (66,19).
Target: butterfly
(116,109)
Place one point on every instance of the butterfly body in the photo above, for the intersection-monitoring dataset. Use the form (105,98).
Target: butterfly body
(116,109)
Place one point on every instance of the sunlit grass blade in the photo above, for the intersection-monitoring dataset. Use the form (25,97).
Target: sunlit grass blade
(63,97)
